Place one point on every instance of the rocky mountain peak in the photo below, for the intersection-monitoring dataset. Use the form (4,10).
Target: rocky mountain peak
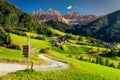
(70,18)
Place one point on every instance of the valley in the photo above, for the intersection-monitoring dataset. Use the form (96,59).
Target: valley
(87,48)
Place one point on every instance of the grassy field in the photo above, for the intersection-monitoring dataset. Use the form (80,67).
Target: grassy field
(38,44)
(79,70)
(70,49)
(16,56)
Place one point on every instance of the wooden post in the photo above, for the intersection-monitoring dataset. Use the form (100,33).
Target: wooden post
(28,52)
(31,65)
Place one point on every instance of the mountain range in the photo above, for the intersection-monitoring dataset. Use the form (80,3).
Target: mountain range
(106,28)
(70,18)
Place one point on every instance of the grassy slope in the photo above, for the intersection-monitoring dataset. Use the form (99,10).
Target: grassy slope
(78,71)
(38,44)
(68,49)
(16,56)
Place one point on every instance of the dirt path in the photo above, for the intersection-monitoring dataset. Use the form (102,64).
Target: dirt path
(54,65)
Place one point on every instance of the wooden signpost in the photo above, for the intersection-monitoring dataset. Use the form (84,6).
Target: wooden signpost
(26,52)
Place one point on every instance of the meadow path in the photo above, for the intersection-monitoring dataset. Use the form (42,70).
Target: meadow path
(6,68)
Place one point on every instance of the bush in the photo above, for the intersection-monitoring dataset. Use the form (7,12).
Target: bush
(97,60)
(70,36)
(70,55)
(93,61)
(112,65)
(93,50)
(45,50)
(40,38)
(118,66)
(18,33)
(119,53)
(101,61)
(89,59)
(81,58)
(107,63)
(14,46)
(5,39)
(113,52)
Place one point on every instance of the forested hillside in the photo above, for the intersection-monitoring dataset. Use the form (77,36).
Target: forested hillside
(106,28)
(11,19)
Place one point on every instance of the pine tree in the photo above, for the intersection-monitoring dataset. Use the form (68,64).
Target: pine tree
(101,61)
(119,53)
(107,63)
(89,59)
(93,61)
(97,60)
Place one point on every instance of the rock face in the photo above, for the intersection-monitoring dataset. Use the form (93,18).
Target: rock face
(76,18)
(49,15)
(70,18)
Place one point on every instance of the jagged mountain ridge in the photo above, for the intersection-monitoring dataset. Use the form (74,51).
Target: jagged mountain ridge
(70,18)
(49,15)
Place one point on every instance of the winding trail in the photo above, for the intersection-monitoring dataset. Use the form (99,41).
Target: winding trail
(54,65)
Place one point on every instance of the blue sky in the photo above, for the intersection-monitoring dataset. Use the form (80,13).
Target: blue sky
(97,7)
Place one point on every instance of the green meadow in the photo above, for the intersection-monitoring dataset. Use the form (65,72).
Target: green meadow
(79,70)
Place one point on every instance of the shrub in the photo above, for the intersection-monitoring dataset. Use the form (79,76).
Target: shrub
(107,63)
(113,52)
(14,46)
(81,58)
(5,39)
(97,60)
(119,53)
(101,61)
(70,36)
(70,55)
(45,50)
(93,50)
(18,33)
(93,61)
(89,59)
(40,38)
(112,65)
(118,66)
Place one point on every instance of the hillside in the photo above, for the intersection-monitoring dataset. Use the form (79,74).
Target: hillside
(59,25)
(105,28)
(89,58)
(12,19)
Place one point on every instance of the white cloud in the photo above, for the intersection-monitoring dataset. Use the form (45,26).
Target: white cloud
(69,7)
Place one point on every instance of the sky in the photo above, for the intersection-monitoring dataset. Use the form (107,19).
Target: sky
(96,7)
